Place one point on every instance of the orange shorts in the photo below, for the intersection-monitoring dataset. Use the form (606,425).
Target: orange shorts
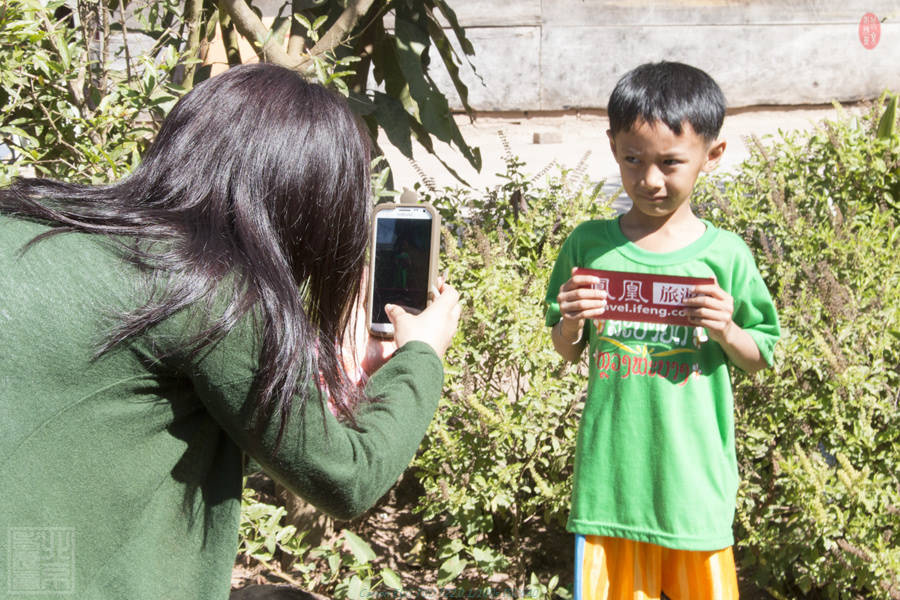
(608,568)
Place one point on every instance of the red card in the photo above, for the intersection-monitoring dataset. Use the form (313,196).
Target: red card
(645,297)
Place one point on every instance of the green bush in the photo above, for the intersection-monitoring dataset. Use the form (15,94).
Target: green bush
(496,467)
(819,434)
(342,566)
(65,113)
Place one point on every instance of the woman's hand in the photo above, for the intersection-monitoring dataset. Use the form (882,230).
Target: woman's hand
(363,353)
(435,325)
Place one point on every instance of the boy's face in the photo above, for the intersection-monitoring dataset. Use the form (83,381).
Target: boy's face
(659,168)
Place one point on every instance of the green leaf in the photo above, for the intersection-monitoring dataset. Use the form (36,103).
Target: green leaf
(334,563)
(483,556)
(355,588)
(285,533)
(451,568)
(448,56)
(396,122)
(409,46)
(360,548)
(460,33)
(888,120)
(391,579)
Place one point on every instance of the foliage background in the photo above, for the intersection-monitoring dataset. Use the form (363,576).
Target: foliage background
(78,100)
(483,506)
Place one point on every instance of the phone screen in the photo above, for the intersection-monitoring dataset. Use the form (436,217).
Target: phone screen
(402,257)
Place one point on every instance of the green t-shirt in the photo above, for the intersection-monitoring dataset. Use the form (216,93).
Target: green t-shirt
(121,477)
(655,458)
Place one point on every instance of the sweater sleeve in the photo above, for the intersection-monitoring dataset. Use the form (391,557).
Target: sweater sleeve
(341,469)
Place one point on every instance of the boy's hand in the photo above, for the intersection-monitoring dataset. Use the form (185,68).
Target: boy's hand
(578,301)
(713,308)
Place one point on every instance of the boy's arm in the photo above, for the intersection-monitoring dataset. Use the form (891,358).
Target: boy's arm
(567,344)
(713,308)
(577,301)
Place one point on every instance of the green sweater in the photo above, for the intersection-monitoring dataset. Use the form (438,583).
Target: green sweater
(121,477)
(655,458)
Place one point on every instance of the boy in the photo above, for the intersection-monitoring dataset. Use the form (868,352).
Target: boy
(655,469)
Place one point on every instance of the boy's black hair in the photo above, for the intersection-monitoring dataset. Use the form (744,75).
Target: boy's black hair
(670,92)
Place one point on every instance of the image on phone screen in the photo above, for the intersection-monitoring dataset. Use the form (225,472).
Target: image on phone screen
(402,248)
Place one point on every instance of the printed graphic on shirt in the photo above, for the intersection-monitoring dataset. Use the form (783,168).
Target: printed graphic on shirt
(636,349)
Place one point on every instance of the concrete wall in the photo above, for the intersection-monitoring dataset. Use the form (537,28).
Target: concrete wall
(544,55)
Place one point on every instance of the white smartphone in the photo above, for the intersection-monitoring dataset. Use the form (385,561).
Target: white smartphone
(403,261)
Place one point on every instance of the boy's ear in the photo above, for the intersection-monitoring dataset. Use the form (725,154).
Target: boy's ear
(612,141)
(714,155)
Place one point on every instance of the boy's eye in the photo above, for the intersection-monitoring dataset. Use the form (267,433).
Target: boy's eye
(671,162)
(631,160)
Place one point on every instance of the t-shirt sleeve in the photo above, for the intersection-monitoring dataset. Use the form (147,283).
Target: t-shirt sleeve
(754,310)
(342,469)
(562,271)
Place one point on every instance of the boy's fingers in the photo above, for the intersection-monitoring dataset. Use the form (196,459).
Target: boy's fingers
(579,302)
(576,293)
(710,289)
(705,289)
(584,280)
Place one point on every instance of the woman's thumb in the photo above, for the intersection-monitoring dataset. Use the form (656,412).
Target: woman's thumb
(394,312)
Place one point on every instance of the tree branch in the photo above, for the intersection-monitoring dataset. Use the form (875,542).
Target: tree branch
(75,86)
(269,50)
(193,10)
(297,40)
(341,28)
(125,40)
(252,28)
(230,39)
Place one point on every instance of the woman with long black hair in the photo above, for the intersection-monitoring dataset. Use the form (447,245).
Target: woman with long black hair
(155,330)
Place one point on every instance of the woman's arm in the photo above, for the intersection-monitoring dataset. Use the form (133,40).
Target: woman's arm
(340,468)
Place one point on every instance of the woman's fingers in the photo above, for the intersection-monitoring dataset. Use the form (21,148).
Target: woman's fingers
(435,325)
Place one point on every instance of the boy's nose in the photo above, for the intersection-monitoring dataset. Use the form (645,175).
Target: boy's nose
(653,178)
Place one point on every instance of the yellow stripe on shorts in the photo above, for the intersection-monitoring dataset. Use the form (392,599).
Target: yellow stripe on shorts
(608,568)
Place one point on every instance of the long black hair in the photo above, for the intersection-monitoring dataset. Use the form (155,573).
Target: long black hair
(255,190)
